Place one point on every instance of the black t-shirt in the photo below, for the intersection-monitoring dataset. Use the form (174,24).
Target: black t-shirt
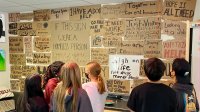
(152,97)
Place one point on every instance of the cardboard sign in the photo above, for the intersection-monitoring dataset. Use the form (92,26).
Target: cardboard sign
(41,44)
(179,9)
(174,48)
(28,70)
(101,54)
(28,46)
(29,60)
(143,28)
(131,48)
(118,86)
(96,41)
(85,12)
(25,29)
(42,28)
(111,41)
(70,39)
(26,32)
(16,45)
(14,17)
(114,28)
(174,28)
(15,72)
(13,28)
(18,59)
(59,14)
(42,58)
(26,16)
(42,15)
(15,85)
(124,67)
(112,11)
(96,27)
(141,9)
(153,48)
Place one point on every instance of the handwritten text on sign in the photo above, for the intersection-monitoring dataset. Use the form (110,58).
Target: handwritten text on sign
(16,45)
(124,67)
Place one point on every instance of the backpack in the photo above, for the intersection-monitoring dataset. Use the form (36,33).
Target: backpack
(190,101)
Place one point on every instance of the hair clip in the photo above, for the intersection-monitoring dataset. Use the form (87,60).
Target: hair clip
(186,74)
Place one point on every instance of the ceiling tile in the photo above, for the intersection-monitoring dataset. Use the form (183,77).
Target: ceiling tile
(4,3)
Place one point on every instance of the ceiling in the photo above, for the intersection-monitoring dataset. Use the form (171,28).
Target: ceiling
(30,5)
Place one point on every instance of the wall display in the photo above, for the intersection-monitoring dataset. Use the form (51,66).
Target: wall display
(153,48)
(70,39)
(112,11)
(41,44)
(42,15)
(174,28)
(13,28)
(101,55)
(179,9)
(2,28)
(131,48)
(42,28)
(175,48)
(141,9)
(118,86)
(26,16)
(16,72)
(28,46)
(2,60)
(16,45)
(14,17)
(124,67)
(15,85)
(59,14)
(42,58)
(21,59)
(143,28)
(85,12)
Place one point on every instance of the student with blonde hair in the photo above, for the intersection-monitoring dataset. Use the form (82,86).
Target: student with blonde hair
(69,96)
(96,88)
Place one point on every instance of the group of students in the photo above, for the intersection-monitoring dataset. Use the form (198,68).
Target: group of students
(63,91)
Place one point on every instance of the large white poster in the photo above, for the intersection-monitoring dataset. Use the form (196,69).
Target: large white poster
(124,67)
(196,60)
(2,28)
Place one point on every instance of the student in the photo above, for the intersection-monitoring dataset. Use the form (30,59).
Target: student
(187,100)
(153,96)
(51,78)
(33,97)
(69,96)
(95,89)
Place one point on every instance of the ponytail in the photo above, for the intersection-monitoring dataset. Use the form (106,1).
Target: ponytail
(101,85)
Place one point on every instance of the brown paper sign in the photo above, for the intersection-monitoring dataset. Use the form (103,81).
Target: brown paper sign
(13,28)
(118,86)
(42,58)
(111,41)
(143,28)
(153,48)
(85,12)
(131,48)
(15,72)
(14,17)
(26,16)
(26,32)
(59,14)
(174,48)
(41,44)
(112,11)
(174,28)
(96,27)
(15,85)
(25,29)
(18,59)
(16,45)
(42,28)
(42,15)
(28,46)
(28,70)
(96,41)
(141,9)
(179,9)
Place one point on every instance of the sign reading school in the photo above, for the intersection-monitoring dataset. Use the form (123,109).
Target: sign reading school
(124,67)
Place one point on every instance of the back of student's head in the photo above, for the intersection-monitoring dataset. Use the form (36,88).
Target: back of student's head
(95,70)
(181,67)
(154,69)
(53,71)
(70,81)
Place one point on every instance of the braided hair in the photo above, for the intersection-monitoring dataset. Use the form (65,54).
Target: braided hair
(52,71)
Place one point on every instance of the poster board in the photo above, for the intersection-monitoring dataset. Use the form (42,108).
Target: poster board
(41,44)
(181,10)
(26,16)
(41,15)
(59,14)
(124,67)
(16,45)
(153,48)
(112,11)
(14,17)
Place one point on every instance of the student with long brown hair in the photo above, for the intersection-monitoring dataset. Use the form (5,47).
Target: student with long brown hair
(96,88)
(69,96)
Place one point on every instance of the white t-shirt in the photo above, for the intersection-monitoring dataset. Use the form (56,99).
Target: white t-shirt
(97,100)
